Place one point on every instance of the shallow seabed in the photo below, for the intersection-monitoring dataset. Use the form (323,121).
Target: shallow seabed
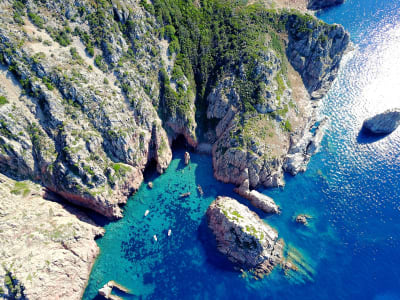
(351,248)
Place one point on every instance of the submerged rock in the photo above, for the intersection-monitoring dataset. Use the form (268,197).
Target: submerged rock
(257,199)
(243,237)
(302,219)
(320,4)
(383,123)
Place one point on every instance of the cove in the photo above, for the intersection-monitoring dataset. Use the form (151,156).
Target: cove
(350,250)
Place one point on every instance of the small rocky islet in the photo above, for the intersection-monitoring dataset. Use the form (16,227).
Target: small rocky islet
(91,94)
(383,123)
(243,237)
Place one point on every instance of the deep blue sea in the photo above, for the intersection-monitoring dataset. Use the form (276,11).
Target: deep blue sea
(351,248)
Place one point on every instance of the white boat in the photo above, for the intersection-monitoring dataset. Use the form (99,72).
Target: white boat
(169,232)
(155,238)
(146,213)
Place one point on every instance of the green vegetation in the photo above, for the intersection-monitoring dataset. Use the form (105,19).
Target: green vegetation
(21,188)
(19,11)
(75,55)
(14,287)
(3,100)
(38,21)
(100,63)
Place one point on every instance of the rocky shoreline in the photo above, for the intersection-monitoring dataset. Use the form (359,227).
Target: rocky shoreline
(83,114)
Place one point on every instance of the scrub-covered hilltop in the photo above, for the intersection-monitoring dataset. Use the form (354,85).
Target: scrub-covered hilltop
(95,91)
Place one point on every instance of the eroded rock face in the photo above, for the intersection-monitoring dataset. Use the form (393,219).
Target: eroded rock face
(315,52)
(320,4)
(243,237)
(47,246)
(383,123)
(85,132)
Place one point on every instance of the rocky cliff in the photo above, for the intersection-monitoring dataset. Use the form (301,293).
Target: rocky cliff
(243,236)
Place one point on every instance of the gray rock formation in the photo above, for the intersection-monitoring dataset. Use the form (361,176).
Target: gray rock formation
(315,52)
(243,237)
(257,199)
(301,150)
(383,123)
(320,4)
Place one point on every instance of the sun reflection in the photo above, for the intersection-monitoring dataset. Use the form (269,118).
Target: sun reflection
(383,74)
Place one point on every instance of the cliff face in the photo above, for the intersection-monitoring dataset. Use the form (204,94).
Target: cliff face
(81,127)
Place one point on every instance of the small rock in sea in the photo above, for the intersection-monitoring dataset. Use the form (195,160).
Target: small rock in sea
(187,158)
(243,237)
(383,123)
(150,184)
(146,212)
(106,290)
(200,190)
(302,219)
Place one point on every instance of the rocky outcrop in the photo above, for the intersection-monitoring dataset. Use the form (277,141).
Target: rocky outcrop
(301,150)
(320,4)
(257,199)
(280,135)
(315,51)
(383,123)
(243,237)
(46,246)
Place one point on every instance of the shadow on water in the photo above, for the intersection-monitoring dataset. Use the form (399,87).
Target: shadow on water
(213,256)
(366,137)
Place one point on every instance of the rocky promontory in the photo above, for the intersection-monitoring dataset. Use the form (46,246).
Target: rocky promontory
(243,237)
(383,123)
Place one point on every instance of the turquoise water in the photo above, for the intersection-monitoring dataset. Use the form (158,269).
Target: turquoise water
(350,250)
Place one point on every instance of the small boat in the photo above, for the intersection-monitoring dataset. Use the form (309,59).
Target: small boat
(200,190)
(146,213)
(169,232)
(184,195)
(155,238)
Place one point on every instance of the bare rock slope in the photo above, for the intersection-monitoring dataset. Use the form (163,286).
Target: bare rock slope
(47,249)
